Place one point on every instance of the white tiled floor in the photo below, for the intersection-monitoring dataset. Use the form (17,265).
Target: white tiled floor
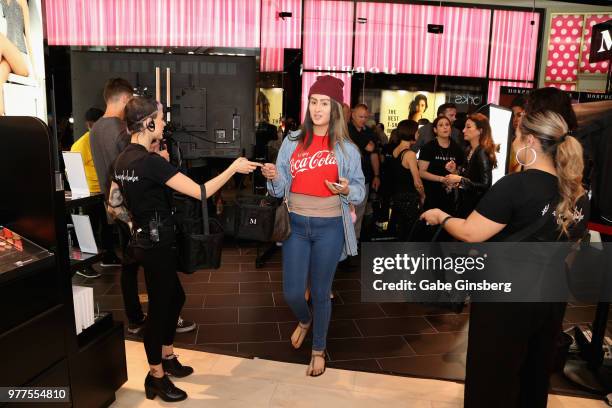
(228,382)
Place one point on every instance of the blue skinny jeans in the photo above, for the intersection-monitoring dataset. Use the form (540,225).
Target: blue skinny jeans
(311,254)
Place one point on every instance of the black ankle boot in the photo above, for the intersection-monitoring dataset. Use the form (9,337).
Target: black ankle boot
(174,368)
(164,388)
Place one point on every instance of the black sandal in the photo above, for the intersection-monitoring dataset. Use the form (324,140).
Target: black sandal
(314,355)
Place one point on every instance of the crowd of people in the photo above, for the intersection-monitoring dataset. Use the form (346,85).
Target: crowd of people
(422,165)
(442,175)
(436,173)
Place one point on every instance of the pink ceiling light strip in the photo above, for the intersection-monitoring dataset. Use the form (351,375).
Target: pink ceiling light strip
(495,88)
(465,42)
(277,33)
(308,78)
(395,39)
(328,35)
(162,23)
(514,45)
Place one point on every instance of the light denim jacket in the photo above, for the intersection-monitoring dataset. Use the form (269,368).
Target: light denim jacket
(349,167)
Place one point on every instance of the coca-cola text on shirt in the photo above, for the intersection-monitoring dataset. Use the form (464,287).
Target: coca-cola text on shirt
(319,159)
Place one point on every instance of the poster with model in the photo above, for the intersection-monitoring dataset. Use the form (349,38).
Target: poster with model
(423,105)
(22,69)
(393,108)
(390,106)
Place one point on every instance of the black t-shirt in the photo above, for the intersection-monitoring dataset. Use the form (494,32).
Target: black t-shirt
(435,194)
(438,156)
(520,199)
(426,135)
(142,176)
(361,139)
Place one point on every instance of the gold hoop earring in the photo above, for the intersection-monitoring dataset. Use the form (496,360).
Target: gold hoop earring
(535,156)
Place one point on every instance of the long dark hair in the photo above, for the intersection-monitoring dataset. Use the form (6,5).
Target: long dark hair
(413,105)
(406,130)
(337,130)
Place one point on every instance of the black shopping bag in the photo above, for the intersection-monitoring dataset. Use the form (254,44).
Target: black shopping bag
(255,217)
(199,240)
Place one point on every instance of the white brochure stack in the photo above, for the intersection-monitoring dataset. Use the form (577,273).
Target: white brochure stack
(83,307)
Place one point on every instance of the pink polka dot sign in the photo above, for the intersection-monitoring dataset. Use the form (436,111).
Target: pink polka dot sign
(598,67)
(563,87)
(564,42)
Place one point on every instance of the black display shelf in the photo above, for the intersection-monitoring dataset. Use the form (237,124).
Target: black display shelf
(28,268)
(35,278)
(80,260)
(98,369)
(102,323)
(82,201)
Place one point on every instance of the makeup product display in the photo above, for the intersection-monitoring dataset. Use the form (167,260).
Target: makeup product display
(17,251)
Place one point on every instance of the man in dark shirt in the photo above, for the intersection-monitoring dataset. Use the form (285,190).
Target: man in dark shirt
(364,138)
(426,134)
(108,136)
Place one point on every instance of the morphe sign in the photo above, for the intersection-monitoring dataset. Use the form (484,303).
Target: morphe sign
(601,42)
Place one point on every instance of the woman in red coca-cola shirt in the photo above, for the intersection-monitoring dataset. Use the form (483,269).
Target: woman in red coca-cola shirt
(318,170)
